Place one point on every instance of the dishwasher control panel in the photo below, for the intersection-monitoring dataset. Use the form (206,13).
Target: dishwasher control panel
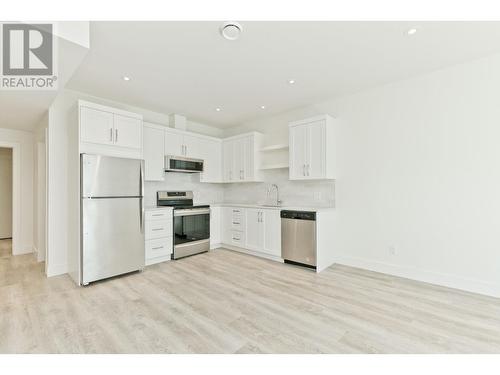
(298,215)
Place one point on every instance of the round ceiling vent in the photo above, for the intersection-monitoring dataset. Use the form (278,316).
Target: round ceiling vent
(231,30)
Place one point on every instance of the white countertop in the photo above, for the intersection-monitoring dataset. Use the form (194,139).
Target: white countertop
(152,208)
(256,205)
(252,205)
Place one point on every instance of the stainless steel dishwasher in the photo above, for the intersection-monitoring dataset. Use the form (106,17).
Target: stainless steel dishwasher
(298,238)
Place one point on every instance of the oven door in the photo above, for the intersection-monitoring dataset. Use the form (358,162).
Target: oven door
(191,231)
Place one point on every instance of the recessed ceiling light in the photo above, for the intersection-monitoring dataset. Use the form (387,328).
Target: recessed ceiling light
(218,109)
(291,81)
(262,107)
(126,78)
(411,31)
(231,30)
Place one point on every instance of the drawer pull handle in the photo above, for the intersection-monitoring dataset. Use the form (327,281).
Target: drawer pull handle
(236,223)
(157,229)
(157,248)
(157,215)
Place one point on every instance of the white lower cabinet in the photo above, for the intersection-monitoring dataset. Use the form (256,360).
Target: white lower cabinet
(158,235)
(272,232)
(215,227)
(254,229)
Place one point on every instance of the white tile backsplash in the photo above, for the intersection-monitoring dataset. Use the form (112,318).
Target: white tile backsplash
(203,192)
(292,193)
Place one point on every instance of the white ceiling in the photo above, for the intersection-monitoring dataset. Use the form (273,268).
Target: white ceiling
(188,68)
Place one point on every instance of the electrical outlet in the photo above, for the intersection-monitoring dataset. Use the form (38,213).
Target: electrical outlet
(393,250)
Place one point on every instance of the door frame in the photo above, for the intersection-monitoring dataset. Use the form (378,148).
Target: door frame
(16,194)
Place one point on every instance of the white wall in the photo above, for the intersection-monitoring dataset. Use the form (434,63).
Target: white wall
(419,170)
(25,196)
(5,192)
(40,191)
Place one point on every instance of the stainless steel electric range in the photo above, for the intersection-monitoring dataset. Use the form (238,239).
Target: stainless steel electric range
(191,223)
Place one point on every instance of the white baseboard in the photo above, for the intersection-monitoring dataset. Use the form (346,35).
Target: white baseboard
(450,281)
(23,250)
(251,252)
(57,269)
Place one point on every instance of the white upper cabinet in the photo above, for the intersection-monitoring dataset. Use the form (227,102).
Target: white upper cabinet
(192,146)
(153,152)
(174,144)
(312,148)
(128,131)
(227,161)
(96,126)
(210,150)
(241,158)
(182,143)
(109,131)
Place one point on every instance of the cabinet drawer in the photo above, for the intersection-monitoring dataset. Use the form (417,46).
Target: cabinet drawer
(158,229)
(159,215)
(159,248)
(238,219)
(237,238)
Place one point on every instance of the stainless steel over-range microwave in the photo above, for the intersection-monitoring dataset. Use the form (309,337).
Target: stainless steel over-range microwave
(182,164)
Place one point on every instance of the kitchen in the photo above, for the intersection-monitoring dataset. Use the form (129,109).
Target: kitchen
(256,187)
(178,223)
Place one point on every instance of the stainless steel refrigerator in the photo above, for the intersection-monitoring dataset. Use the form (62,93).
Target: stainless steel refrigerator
(112,217)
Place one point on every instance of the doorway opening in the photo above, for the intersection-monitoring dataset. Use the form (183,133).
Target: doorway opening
(6,201)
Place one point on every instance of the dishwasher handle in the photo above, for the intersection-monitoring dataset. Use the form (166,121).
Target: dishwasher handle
(298,215)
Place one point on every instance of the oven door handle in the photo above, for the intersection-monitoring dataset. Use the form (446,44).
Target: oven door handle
(191,212)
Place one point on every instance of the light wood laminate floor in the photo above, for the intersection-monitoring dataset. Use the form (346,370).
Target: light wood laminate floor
(226,302)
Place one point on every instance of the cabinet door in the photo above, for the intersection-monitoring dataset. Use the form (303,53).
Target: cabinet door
(227,217)
(315,163)
(96,126)
(298,141)
(173,143)
(128,131)
(153,154)
(210,152)
(239,147)
(248,158)
(192,146)
(255,229)
(272,232)
(215,225)
(228,162)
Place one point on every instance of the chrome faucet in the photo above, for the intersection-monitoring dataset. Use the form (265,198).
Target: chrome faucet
(278,201)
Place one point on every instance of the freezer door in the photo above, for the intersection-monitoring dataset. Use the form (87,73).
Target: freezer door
(104,176)
(112,237)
